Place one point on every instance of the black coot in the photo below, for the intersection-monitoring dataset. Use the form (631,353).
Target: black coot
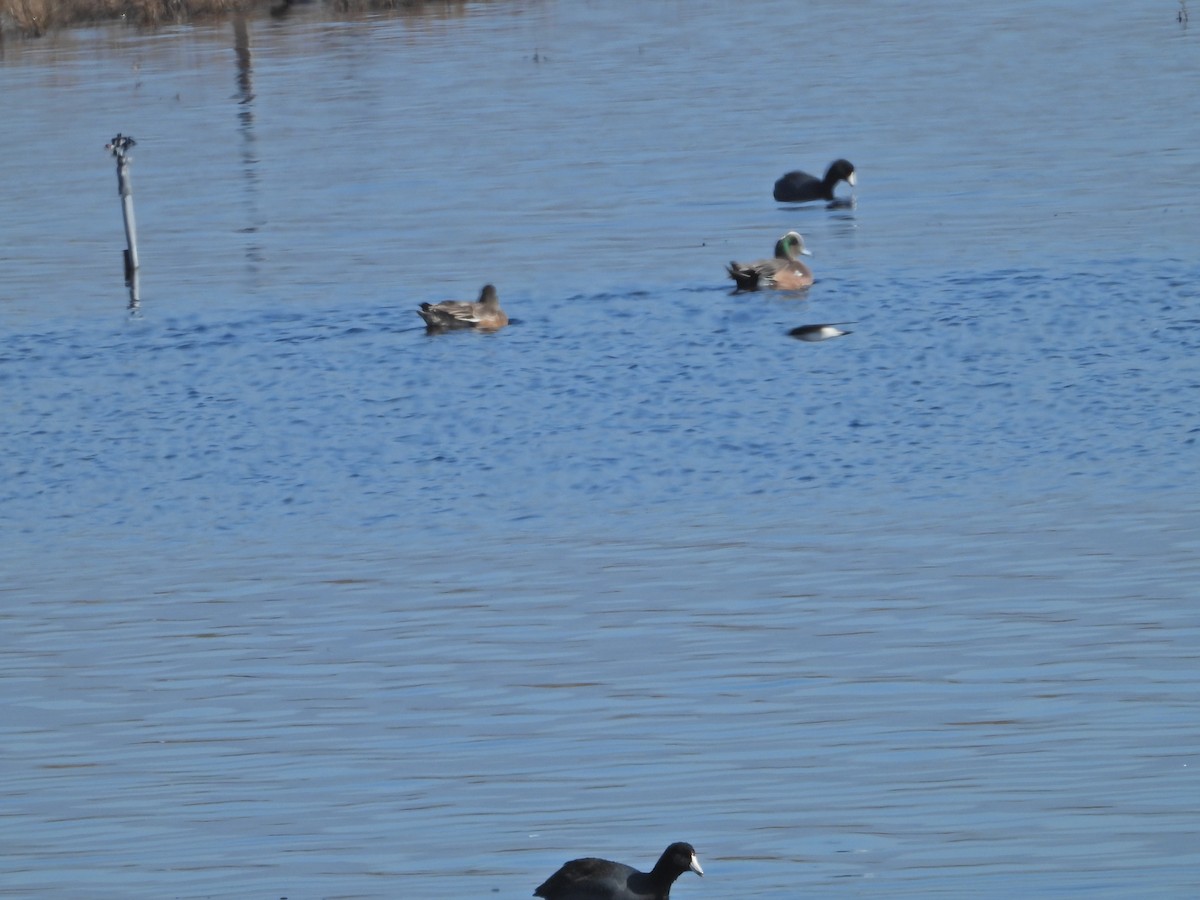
(800,187)
(603,879)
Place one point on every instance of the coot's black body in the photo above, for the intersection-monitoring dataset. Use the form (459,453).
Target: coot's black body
(603,879)
(800,187)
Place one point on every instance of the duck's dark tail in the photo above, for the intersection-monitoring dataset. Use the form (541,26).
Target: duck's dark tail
(746,277)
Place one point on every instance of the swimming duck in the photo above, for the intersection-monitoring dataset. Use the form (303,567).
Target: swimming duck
(785,271)
(603,879)
(485,315)
(800,187)
(819,332)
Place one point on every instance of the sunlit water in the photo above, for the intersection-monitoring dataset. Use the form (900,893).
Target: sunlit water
(300,601)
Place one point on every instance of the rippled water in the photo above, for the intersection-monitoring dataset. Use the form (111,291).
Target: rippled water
(300,601)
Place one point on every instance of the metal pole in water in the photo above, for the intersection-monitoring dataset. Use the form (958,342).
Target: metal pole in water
(120,147)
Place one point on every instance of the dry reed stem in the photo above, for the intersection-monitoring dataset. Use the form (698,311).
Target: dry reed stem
(32,18)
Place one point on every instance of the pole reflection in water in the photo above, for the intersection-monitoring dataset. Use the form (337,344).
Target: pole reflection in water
(245,99)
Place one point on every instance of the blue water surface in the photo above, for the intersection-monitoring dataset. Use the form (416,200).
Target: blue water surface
(301,601)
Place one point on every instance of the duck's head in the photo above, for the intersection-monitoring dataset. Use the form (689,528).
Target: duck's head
(791,245)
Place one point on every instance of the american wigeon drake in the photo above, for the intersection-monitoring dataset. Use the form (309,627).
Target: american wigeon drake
(819,332)
(800,187)
(785,272)
(484,315)
(602,879)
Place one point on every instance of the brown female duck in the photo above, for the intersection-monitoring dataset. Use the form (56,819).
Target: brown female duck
(484,315)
